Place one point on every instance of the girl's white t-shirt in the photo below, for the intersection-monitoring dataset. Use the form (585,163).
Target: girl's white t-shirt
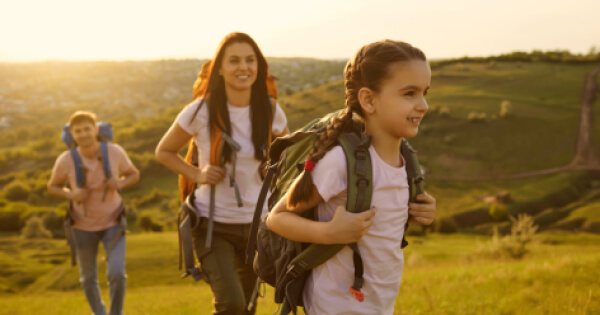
(246,175)
(327,290)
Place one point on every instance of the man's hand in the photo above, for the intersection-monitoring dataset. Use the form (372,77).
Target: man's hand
(113,183)
(78,194)
(422,213)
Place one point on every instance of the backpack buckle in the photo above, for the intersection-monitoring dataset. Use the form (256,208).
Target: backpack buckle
(360,154)
(362,182)
(294,270)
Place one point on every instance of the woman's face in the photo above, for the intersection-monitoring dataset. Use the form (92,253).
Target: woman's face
(239,66)
(400,104)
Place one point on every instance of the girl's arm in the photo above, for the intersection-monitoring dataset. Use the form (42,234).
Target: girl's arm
(167,152)
(344,228)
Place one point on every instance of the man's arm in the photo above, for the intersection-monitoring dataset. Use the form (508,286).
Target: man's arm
(129,173)
(56,186)
(128,178)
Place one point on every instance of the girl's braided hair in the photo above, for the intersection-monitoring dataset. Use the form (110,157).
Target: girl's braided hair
(368,69)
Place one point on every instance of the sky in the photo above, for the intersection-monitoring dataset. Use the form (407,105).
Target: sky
(36,30)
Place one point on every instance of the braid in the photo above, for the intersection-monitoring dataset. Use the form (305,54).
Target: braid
(326,140)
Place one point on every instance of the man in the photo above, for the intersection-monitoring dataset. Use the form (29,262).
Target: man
(95,207)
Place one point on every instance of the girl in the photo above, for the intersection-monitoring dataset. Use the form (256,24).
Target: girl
(386,84)
(237,103)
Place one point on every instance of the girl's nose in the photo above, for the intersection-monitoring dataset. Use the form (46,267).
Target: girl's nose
(422,106)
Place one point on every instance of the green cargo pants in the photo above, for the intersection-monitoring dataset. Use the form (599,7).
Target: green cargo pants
(223,266)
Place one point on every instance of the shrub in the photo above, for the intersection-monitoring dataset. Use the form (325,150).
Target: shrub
(449,138)
(16,191)
(155,196)
(54,222)
(513,245)
(498,212)
(505,110)
(445,111)
(145,222)
(445,225)
(476,117)
(34,228)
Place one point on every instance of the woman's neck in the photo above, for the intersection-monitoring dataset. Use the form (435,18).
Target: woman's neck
(238,98)
(386,145)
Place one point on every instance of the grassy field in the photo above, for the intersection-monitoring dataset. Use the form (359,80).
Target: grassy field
(443,275)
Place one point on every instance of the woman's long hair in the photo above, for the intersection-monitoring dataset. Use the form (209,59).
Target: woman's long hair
(260,103)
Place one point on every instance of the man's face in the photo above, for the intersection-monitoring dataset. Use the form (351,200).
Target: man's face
(84,134)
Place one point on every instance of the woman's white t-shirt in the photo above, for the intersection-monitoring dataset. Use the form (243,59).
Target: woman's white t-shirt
(327,290)
(246,176)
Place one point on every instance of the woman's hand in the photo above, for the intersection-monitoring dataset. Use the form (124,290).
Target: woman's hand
(422,213)
(210,175)
(347,227)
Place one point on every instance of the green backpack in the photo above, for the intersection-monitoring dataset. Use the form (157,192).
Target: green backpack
(285,264)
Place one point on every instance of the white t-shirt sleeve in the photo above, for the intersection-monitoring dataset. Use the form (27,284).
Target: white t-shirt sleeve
(279,121)
(190,123)
(330,174)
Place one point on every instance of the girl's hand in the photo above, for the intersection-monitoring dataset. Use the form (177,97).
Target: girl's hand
(422,213)
(347,227)
(210,174)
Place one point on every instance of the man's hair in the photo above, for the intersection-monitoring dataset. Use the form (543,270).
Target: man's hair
(82,116)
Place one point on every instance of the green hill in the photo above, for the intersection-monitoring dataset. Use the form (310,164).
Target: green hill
(141,99)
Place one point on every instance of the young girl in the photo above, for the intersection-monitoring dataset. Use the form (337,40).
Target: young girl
(238,103)
(386,84)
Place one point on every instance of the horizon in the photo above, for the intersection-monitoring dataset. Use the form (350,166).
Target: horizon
(68,30)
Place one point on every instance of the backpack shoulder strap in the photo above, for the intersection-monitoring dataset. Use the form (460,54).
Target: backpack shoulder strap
(78,169)
(360,171)
(414,176)
(105,162)
(413,170)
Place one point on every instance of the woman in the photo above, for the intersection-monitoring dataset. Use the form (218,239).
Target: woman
(236,103)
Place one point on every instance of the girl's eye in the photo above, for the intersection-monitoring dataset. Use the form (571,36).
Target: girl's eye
(425,94)
(234,61)
(250,60)
(410,93)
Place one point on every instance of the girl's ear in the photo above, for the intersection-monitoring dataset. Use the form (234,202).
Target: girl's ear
(366,98)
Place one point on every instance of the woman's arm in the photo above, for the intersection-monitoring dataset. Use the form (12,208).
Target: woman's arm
(167,152)
(344,228)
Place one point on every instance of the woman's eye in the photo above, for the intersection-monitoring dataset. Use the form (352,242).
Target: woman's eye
(234,61)
(251,60)
(425,94)
(410,93)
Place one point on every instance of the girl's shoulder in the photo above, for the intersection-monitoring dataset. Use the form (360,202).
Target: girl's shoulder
(332,163)
(334,156)
(330,174)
